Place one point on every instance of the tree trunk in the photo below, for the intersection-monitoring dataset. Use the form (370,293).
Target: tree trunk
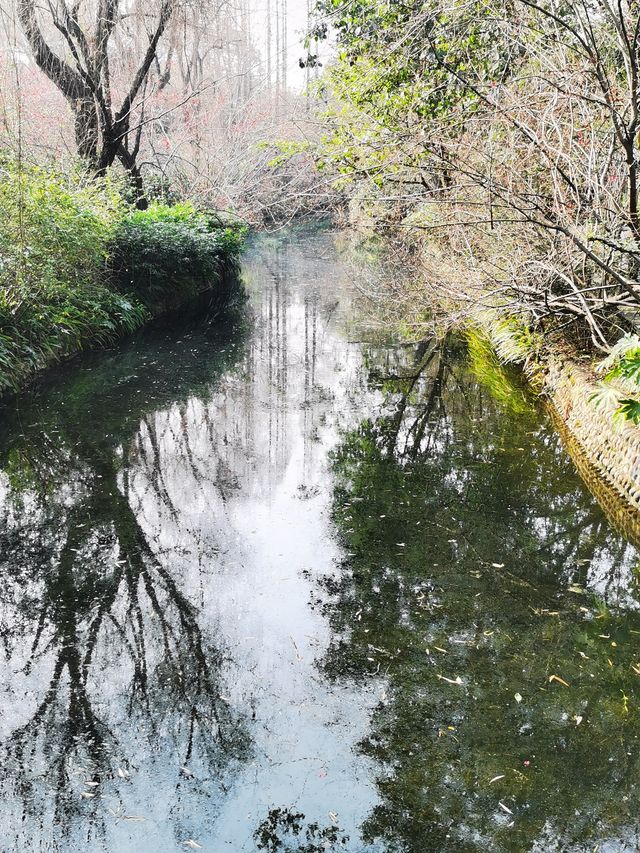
(87,129)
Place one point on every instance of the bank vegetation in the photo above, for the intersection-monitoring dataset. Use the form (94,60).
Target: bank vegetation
(80,265)
(134,149)
(498,142)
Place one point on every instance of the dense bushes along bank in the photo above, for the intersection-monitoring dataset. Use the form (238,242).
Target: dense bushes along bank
(79,266)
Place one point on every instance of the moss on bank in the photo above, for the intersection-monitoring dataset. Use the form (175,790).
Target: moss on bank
(79,267)
(501,380)
(604,445)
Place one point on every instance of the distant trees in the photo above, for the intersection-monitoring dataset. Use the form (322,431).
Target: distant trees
(74,45)
(191,96)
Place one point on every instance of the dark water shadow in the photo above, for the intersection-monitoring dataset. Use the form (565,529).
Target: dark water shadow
(487,595)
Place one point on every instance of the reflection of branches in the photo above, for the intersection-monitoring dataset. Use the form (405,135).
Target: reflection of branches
(429,405)
(455,594)
(112,637)
(396,420)
(119,613)
(418,392)
(156,479)
(64,723)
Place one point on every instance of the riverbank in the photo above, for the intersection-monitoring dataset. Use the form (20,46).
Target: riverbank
(80,267)
(608,444)
(604,446)
(586,399)
(586,406)
(583,392)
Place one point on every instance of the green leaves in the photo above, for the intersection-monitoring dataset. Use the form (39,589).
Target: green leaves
(630,410)
(59,237)
(168,252)
(622,364)
(629,367)
(394,94)
(54,232)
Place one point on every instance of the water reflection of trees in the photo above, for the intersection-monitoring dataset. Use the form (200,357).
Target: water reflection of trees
(511,468)
(470,537)
(104,648)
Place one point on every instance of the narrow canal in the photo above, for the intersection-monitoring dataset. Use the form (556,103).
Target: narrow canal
(273,581)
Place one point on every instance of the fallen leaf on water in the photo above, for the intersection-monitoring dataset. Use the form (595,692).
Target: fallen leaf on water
(496,778)
(298,657)
(457,680)
(505,808)
(558,679)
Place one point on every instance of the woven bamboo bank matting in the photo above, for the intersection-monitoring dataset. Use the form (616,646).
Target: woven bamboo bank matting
(606,452)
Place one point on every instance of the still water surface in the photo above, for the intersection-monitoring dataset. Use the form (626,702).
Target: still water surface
(273,581)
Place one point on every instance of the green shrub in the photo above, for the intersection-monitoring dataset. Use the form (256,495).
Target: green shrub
(55,231)
(622,373)
(66,240)
(53,227)
(168,252)
(57,321)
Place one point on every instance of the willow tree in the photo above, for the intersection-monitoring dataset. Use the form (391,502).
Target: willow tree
(74,44)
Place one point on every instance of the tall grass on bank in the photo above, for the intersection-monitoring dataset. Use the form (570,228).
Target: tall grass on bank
(78,267)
